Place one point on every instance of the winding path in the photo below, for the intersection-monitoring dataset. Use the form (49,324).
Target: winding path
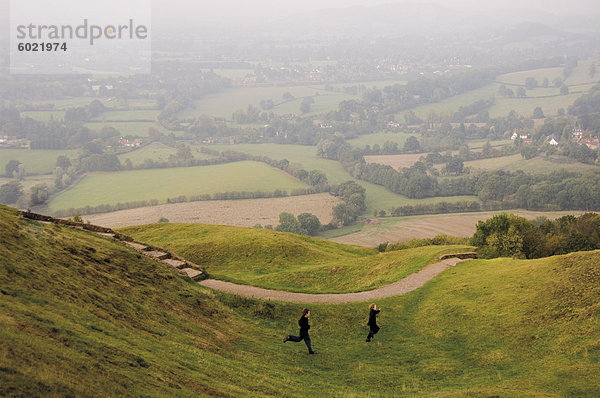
(181,265)
(405,285)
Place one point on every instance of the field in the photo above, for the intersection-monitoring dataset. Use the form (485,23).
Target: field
(139,129)
(37,161)
(380,139)
(401,229)
(157,152)
(226,102)
(241,213)
(101,321)
(309,265)
(396,161)
(128,186)
(131,115)
(549,99)
(538,164)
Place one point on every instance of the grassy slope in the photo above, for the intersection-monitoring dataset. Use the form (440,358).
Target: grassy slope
(127,186)
(286,261)
(74,324)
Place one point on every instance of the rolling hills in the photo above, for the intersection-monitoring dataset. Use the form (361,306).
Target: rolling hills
(82,315)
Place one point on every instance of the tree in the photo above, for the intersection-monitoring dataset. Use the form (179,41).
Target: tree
(10,193)
(63,162)
(538,113)
(455,166)
(545,83)
(305,104)
(412,145)
(287,96)
(529,152)
(564,90)
(289,223)
(345,214)
(558,81)
(411,118)
(310,223)
(521,92)
(316,177)
(531,83)
(592,70)
(38,194)
(11,167)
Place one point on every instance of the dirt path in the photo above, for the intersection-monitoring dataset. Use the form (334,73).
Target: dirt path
(408,284)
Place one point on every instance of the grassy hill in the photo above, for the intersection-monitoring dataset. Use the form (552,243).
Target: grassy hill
(82,315)
(277,260)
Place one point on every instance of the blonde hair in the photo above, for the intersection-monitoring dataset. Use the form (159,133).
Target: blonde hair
(372,306)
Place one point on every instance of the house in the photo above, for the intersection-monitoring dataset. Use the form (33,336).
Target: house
(393,124)
(552,140)
(130,144)
(591,142)
(577,134)
(524,137)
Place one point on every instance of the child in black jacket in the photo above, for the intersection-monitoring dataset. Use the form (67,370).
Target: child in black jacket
(373,328)
(304,326)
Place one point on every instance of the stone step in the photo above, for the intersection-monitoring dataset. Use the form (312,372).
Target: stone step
(174,263)
(136,246)
(106,235)
(157,255)
(192,273)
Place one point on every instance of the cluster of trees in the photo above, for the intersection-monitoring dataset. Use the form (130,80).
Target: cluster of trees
(304,224)
(354,198)
(12,192)
(558,190)
(478,108)
(85,113)
(510,235)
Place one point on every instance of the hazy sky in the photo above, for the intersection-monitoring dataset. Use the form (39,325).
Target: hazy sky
(210,13)
(235,10)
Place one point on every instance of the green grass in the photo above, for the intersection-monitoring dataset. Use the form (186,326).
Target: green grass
(129,186)
(36,161)
(539,164)
(285,261)
(380,139)
(81,315)
(124,116)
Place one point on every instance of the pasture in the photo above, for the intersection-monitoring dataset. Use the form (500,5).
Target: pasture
(225,103)
(36,161)
(128,186)
(539,164)
(380,138)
